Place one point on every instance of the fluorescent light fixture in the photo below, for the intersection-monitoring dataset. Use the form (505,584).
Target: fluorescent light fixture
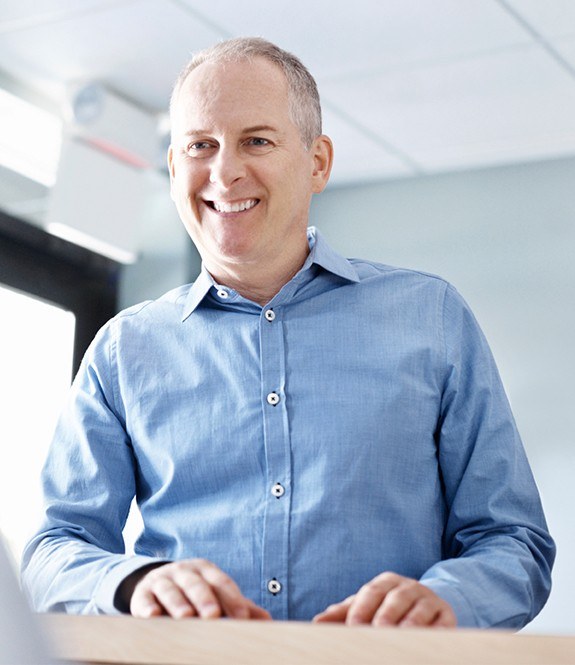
(30,139)
(89,242)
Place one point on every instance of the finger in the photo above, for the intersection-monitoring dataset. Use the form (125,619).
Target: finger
(425,612)
(370,598)
(257,612)
(160,596)
(185,598)
(197,593)
(446,618)
(144,605)
(335,613)
(225,590)
(398,602)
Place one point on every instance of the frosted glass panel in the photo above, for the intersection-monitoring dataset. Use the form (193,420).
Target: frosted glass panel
(36,353)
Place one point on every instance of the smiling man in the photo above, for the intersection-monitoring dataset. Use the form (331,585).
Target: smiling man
(308,437)
(242,176)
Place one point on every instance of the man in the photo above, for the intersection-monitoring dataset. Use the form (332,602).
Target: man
(308,437)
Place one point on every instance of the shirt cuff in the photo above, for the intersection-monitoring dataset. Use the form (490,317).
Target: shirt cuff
(459,604)
(106,592)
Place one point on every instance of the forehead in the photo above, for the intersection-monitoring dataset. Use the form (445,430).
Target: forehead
(253,91)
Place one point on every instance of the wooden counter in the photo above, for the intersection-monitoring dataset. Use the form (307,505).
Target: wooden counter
(165,641)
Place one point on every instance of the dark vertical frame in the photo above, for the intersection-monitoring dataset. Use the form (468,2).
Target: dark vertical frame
(55,270)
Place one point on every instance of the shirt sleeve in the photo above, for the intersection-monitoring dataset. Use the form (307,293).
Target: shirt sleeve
(498,553)
(77,559)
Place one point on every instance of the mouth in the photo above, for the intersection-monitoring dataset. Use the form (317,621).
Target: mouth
(227,207)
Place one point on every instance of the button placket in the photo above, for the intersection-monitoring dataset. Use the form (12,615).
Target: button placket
(278,465)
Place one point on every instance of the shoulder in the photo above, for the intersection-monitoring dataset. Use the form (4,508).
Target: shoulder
(366,269)
(142,320)
(399,280)
(166,307)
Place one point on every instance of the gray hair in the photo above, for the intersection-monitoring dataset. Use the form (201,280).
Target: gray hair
(303,96)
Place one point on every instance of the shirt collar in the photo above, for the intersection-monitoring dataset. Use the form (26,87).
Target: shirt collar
(320,254)
(323,255)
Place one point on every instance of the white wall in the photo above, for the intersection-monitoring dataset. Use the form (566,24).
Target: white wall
(505,237)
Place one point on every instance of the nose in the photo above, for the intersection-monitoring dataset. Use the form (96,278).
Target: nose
(227,167)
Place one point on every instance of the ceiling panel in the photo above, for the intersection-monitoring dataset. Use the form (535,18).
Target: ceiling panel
(512,105)
(336,38)
(550,18)
(566,48)
(24,13)
(146,45)
(357,157)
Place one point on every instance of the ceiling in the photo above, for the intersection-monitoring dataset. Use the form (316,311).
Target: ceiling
(409,87)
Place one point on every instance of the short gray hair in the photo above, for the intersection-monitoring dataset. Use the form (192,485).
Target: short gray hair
(303,95)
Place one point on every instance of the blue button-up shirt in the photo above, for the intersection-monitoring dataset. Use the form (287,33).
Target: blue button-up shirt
(353,425)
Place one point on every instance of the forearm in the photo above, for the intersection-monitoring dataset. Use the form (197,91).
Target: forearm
(502,581)
(65,574)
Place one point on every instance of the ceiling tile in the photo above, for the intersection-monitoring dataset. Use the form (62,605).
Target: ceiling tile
(18,14)
(550,18)
(333,39)
(515,105)
(356,156)
(566,48)
(146,45)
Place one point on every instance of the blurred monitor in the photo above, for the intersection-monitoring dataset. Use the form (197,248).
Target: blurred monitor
(21,642)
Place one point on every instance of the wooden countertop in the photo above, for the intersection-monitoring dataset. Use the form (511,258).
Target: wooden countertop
(165,641)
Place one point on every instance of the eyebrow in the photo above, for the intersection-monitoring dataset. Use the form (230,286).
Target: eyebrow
(260,128)
(247,130)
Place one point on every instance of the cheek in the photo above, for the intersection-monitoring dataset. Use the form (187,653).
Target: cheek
(184,190)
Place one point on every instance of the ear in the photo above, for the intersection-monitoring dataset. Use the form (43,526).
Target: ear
(171,169)
(322,152)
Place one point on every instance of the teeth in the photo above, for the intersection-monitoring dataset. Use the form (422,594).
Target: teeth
(234,207)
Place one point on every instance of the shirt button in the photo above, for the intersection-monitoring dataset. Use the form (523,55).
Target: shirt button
(273,399)
(278,490)
(270,314)
(274,586)
(222,293)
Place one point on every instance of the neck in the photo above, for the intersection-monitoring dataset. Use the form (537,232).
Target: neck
(258,283)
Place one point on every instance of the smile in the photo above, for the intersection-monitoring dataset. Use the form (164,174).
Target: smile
(235,206)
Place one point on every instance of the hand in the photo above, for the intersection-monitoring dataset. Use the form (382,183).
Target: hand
(195,587)
(391,600)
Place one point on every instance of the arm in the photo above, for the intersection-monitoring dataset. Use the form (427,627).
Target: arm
(497,550)
(497,553)
(76,560)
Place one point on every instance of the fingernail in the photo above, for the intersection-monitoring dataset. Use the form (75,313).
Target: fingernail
(211,610)
(149,611)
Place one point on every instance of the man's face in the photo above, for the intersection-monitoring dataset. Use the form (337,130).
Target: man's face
(241,177)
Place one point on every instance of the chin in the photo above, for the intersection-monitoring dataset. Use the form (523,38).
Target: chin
(233,248)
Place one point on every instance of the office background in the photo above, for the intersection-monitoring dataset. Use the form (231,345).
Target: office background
(454,128)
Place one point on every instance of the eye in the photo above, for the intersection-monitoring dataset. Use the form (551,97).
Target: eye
(258,142)
(198,147)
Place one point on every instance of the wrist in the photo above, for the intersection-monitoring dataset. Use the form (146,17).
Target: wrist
(125,590)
